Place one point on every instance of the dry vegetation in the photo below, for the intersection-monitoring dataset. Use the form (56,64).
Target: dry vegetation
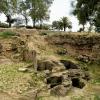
(15,84)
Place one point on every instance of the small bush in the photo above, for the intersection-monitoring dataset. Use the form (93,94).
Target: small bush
(62,51)
(37,27)
(20,26)
(4,25)
(43,33)
(46,27)
(7,34)
(29,27)
(43,27)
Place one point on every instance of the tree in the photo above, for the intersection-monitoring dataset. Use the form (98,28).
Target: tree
(43,13)
(65,23)
(8,7)
(23,10)
(3,6)
(86,11)
(81,12)
(62,24)
(97,23)
(10,20)
(39,10)
(97,18)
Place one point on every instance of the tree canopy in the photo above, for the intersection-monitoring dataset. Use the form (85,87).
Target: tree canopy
(62,24)
(38,10)
(87,11)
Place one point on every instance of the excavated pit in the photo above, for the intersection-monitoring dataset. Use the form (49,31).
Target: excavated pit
(77,83)
(69,64)
(54,81)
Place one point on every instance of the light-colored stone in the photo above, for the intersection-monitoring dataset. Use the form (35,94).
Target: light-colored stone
(23,69)
(59,90)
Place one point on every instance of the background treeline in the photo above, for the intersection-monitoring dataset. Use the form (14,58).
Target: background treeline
(38,10)
(86,11)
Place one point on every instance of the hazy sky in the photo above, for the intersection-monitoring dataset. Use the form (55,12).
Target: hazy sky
(59,8)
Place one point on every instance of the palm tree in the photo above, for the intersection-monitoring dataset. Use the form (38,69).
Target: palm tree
(65,23)
(62,24)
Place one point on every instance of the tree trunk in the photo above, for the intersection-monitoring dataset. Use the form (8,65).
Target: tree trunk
(8,19)
(26,21)
(83,27)
(90,28)
(9,24)
(64,28)
(34,22)
(41,24)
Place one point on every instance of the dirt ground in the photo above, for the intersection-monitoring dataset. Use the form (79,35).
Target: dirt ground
(14,85)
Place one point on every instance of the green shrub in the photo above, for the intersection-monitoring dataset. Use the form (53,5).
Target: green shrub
(96,81)
(43,27)
(96,97)
(29,27)
(62,51)
(77,98)
(4,25)
(7,34)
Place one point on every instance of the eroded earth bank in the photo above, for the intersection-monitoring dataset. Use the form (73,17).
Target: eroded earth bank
(43,65)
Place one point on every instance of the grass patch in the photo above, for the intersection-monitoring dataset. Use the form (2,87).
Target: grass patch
(96,97)
(95,72)
(91,97)
(37,80)
(96,81)
(7,34)
(12,80)
(77,98)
